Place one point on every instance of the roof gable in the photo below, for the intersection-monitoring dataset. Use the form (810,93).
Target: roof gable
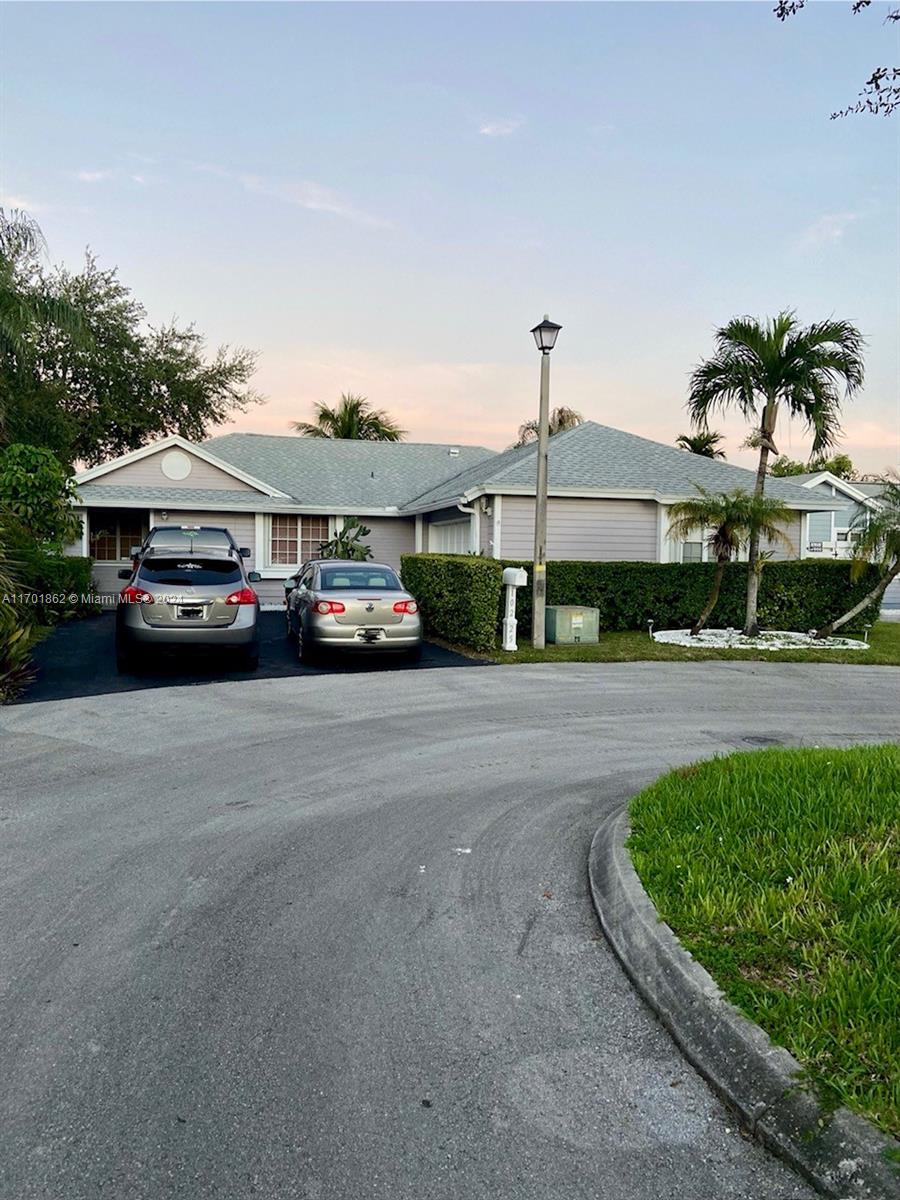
(170,461)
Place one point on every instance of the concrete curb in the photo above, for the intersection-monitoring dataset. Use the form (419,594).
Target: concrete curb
(842,1155)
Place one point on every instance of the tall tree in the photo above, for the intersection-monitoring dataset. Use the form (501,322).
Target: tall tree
(104,382)
(878,542)
(561,419)
(353,419)
(760,367)
(705,442)
(732,518)
(881,93)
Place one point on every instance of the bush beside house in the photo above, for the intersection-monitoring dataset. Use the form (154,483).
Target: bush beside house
(461,595)
(458,595)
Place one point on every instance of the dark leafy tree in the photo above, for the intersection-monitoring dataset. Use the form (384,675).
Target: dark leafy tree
(881,91)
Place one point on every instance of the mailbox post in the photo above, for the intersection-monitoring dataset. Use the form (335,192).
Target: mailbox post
(513,578)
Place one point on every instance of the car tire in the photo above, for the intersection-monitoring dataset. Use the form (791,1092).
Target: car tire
(250,660)
(414,656)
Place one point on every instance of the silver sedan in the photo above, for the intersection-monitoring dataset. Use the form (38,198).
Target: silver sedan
(351,606)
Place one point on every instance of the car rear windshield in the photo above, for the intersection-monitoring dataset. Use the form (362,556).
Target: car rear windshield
(182,538)
(371,579)
(191,572)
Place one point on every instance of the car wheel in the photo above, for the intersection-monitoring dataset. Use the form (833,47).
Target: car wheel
(250,660)
(414,656)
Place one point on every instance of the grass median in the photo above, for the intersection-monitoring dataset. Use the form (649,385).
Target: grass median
(779,871)
(884,641)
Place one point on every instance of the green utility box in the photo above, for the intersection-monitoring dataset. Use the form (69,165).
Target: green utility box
(568,624)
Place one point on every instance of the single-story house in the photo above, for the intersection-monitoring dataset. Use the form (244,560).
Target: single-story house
(283,495)
(830,534)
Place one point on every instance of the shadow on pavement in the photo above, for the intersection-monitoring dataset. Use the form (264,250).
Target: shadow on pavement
(78,659)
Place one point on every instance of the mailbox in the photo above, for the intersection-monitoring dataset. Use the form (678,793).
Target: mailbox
(515,577)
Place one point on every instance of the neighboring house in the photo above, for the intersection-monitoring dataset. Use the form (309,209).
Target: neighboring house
(282,496)
(831,534)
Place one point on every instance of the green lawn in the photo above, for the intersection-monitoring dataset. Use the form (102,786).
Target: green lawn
(884,638)
(779,871)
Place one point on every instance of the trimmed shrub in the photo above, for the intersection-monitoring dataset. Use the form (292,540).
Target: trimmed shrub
(458,594)
(53,579)
(799,594)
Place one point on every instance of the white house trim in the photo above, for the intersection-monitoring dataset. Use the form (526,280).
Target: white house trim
(175,440)
(814,505)
(497,526)
(840,485)
(420,540)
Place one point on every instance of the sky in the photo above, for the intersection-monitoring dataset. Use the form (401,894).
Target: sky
(384,198)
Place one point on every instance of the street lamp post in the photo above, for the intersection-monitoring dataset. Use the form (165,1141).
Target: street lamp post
(545,338)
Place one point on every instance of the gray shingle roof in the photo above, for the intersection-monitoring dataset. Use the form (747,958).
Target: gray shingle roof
(197,498)
(597,458)
(344,474)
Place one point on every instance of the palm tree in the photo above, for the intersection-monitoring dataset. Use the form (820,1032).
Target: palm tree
(878,541)
(353,419)
(561,419)
(732,519)
(757,368)
(706,443)
(22,309)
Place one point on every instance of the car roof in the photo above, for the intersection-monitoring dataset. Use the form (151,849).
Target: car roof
(349,562)
(206,551)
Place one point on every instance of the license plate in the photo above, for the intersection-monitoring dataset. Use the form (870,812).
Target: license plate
(370,635)
(190,614)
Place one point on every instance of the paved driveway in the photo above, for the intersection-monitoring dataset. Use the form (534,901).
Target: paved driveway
(299,938)
(79,659)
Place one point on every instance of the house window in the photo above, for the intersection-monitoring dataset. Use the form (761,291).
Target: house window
(296,539)
(691,552)
(113,534)
(843,535)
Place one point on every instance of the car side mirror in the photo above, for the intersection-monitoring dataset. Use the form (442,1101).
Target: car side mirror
(135,551)
(124,573)
(244,551)
(290,584)
(254,576)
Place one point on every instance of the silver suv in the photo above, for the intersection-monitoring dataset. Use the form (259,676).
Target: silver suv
(188,599)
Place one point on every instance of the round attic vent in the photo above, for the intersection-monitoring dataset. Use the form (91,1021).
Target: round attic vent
(176,465)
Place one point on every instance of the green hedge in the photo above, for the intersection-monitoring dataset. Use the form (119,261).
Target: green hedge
(53,579)
(458,594)
(462,601)
(797,594)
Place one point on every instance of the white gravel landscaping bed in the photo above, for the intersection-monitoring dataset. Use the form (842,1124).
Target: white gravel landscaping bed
(772,639)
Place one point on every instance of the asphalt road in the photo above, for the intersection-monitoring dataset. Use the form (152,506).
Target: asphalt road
(330,937)
(79,659)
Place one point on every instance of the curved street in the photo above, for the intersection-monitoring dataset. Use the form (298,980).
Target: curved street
(330,936)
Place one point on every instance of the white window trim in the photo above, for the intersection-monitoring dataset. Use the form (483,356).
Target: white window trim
(263,533)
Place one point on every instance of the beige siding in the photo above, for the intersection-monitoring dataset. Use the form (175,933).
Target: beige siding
(391,537)
(147,472)
(584,530)
(779,550)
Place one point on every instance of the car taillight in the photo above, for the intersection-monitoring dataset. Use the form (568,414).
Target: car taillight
(328,606)
(244,596)
(406,606)
(136,595)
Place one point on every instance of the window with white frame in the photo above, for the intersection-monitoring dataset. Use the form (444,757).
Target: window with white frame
(691,552)
(113,533)
(294,539)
